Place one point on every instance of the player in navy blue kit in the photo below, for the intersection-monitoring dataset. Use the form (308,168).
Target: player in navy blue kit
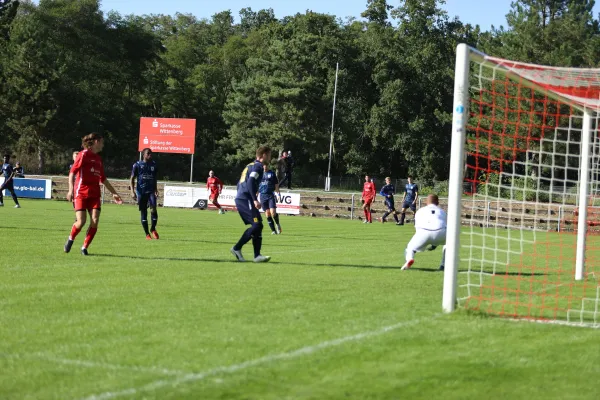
(246,202)
(267,188)
(146,191)
(9,184)
(409,200)
(388,191)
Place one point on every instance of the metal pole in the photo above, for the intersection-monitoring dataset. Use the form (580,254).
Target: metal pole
(352,208)
(584,180)
(328,180)
(459,121)
(192,169)
(140,156)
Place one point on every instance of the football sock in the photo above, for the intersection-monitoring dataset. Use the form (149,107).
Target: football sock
(154,217)
(246,236)
(257,243)
(91,232)
(74,232)
(402,217)
(396,217)
(385,215)
(366,214)
(145,221)
(370,214)
(271,223)
(276,217)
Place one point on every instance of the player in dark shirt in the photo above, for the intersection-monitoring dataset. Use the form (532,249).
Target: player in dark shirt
(246,202)
(388,191)
(267,188)
(409,200)
(146,190)
(19,170)
(75,154)
(8,184)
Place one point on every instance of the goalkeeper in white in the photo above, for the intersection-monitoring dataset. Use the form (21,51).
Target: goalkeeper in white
(430,226)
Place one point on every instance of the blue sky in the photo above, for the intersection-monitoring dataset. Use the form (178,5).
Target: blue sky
(469,11)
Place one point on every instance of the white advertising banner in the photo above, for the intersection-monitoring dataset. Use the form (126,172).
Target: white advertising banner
(191,197)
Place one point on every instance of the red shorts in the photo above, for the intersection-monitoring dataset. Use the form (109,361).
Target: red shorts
(90,203)
(213,196)
(369,201)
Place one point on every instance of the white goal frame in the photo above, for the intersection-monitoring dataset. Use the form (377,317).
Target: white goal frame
(464,56)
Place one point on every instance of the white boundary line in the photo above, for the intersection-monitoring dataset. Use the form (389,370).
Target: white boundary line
(94,364)
(258,361)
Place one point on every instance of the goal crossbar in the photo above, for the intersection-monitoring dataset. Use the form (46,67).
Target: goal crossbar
(577,95)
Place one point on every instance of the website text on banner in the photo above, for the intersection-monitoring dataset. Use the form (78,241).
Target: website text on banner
(31,188)
(167,135)
(191,197)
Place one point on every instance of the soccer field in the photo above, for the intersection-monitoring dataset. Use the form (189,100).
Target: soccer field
(330,317)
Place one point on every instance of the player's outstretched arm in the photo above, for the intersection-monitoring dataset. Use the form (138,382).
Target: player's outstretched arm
(111,189)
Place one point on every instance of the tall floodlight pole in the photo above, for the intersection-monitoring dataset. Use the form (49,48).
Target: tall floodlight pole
(328,180)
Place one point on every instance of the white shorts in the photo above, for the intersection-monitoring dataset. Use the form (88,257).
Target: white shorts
(423,238)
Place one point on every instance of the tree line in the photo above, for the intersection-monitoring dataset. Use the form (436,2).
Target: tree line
(67,69)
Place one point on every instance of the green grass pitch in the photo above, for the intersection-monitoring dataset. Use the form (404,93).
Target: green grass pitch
(331,317)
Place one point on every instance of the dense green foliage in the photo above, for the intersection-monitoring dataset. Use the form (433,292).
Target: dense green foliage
(67,68)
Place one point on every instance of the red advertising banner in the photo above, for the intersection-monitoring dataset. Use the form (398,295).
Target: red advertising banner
(167,135)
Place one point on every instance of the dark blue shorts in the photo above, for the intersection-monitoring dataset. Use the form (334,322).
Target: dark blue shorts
(248,213)
(10,185)
(389,203)
(146,200)
(409,204)
(268,203)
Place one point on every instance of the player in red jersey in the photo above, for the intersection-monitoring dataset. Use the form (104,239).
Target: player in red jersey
(368,196)
(84,189)
(214,185)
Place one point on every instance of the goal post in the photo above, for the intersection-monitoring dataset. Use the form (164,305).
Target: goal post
(522,237)
(455,186)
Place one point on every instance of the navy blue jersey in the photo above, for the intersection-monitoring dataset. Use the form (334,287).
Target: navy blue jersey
(145,172)
(266,187)
(247,186)
(388,191)
(7,170)
(411,191)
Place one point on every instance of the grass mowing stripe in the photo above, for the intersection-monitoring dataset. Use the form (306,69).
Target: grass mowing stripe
(258,361)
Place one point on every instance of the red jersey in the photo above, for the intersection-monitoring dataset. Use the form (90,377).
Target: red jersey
(368,190)
(89,173)
(214,184)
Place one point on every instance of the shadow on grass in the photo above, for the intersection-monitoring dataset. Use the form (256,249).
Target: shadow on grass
(226,242)
(485,273)
(66,230)
(231,260)
(379,239)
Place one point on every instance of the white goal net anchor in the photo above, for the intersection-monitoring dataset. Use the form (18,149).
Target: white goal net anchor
(525,241)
